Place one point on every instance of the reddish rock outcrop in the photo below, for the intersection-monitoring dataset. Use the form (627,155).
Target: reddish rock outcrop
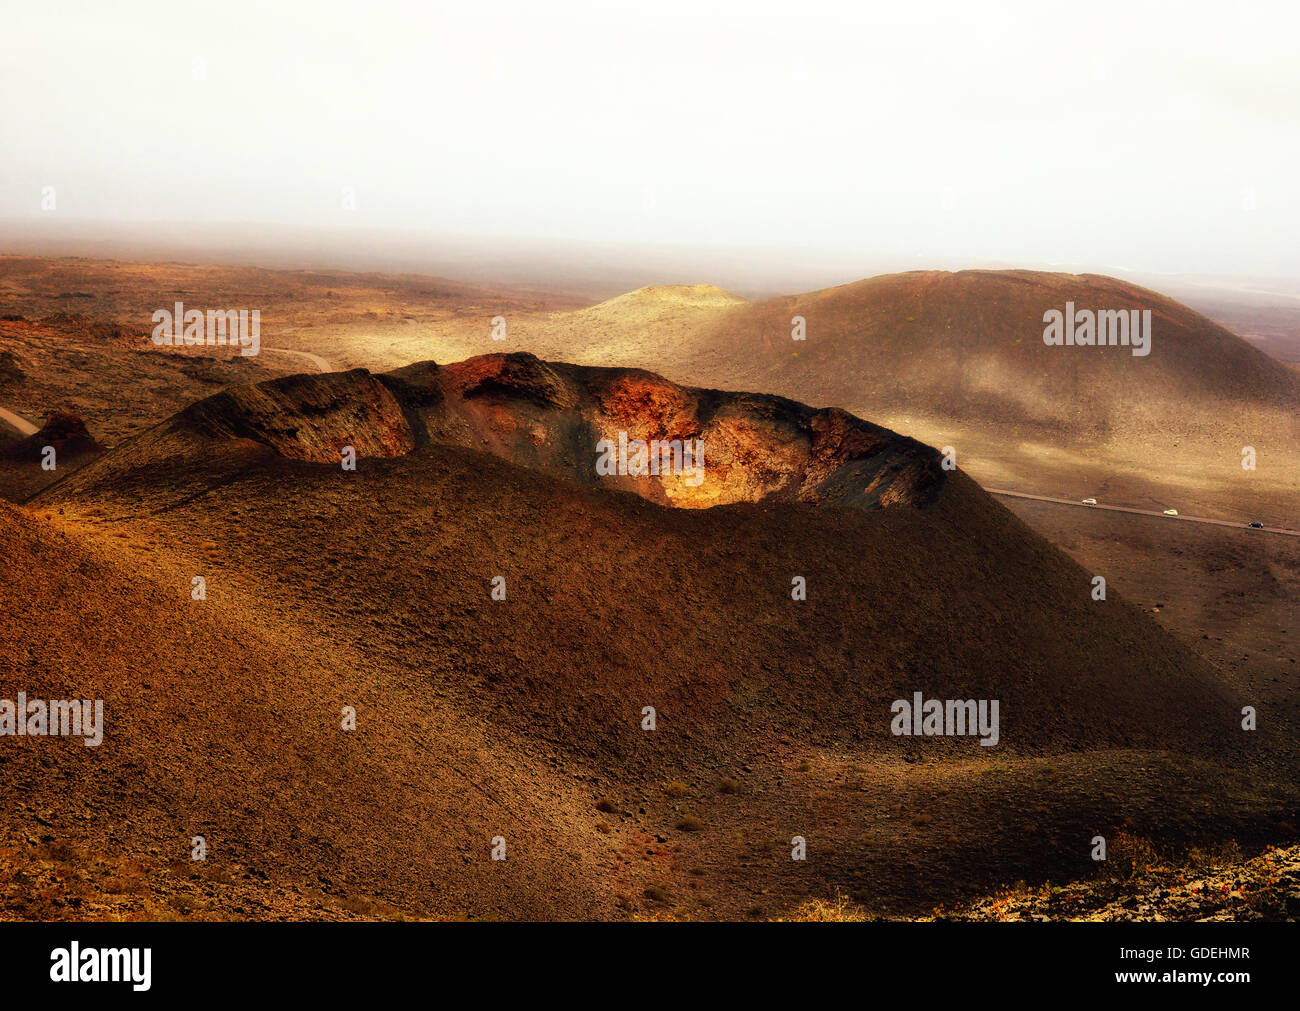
(63,430)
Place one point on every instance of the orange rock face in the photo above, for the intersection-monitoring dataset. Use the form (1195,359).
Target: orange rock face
(736,447)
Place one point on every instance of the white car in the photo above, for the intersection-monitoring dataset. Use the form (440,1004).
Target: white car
(1171,512)
(1090,501)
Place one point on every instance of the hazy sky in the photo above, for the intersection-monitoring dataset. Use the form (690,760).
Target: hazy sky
(1156,136)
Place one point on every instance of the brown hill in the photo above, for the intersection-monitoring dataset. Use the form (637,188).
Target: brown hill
(969,345)
(523,717)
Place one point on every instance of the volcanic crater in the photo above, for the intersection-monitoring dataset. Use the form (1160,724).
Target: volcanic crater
(555,417)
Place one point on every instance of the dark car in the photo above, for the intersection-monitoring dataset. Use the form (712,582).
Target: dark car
(1256,524)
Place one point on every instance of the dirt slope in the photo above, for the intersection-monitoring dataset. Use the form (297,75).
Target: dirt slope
(222,722)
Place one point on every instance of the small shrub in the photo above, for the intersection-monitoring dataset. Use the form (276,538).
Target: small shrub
(656,893)
(837,910)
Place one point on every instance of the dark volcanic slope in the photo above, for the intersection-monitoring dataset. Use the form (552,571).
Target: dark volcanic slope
(517,716)
(221,721)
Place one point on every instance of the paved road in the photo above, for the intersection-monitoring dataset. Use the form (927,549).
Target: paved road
(1144,512)
(24,426)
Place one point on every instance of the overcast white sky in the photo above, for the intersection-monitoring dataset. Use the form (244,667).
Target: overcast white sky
(1155,136)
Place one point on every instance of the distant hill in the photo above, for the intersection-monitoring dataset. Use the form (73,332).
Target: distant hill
(969,346)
